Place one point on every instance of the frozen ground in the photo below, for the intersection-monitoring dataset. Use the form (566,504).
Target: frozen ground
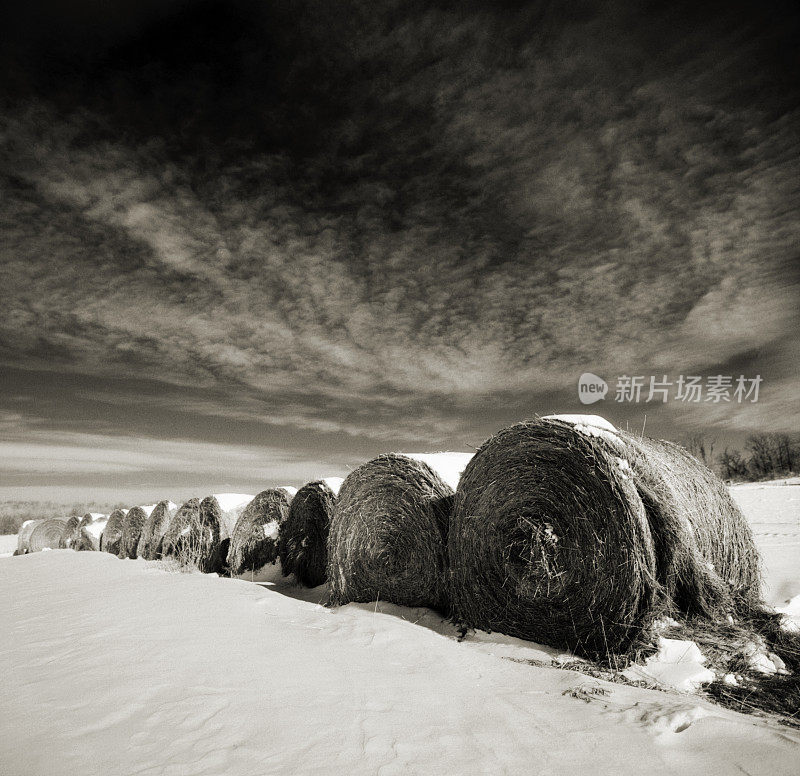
(118,667)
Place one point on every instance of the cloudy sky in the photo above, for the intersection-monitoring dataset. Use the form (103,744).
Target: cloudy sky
(248,243)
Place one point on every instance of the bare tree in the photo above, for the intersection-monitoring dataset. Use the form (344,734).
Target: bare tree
(700,448)
(732,464)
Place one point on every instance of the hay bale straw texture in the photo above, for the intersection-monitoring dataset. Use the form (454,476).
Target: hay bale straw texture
(254,539)
(132,527)
(71,533)
(178,540)
(578,536)
(388,534)
(112,533)
(24,537)
(303,539)
(153,530)
(92,526)
(46,534)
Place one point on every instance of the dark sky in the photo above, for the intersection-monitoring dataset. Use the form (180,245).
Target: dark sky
(245,243)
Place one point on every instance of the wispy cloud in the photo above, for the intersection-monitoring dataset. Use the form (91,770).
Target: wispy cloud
(413,256)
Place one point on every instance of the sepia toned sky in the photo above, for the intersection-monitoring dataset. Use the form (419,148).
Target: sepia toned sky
(252,243)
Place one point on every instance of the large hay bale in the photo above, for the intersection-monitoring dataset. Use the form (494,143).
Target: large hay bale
(112,533)
(198,534)
(71,533)
(303,536)
(153,530)
(46,534)
(388,534)
(254,541)
(177,542)
(24,537)
(132,527)
(577,536)
(91,529)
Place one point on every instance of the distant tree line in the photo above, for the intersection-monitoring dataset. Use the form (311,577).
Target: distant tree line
(765,456)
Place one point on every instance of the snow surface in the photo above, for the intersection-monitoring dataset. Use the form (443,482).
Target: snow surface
(334,483)
(227,676)
(289,489)
(448,466)
(678,664)
(8,544)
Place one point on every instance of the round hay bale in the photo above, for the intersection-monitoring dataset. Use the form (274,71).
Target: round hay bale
(46,534)
(254,542)
(132,527)
(112,533)
(303,536)
(193,536)
(71,534)
(577,536)
(177,533)
(24,537)
(91,532)
(153,530)
(88,541)
(707,559)
(388,534)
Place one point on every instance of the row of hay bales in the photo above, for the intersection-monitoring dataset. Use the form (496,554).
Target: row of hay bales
(562,530)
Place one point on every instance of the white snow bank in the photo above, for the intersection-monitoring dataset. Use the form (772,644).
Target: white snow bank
(306,689)
(448,466)
(290,490)
(8,543)
(678,664)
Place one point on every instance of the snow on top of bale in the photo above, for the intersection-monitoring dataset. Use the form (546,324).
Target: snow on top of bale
(232,501)
(96,526)
(334,483)
(448,466)
(590,425)
(583,420)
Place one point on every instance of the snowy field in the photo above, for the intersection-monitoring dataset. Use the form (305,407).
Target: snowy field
(119,667)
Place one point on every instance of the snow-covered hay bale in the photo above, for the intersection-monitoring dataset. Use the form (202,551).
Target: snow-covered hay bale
(24,537)
(132,527)
(153,530)
(303,540)
(578,535)
(388,534)
(178,539)
(92,526)
(71,533)
(46,534)
(254,540)
(112,533)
